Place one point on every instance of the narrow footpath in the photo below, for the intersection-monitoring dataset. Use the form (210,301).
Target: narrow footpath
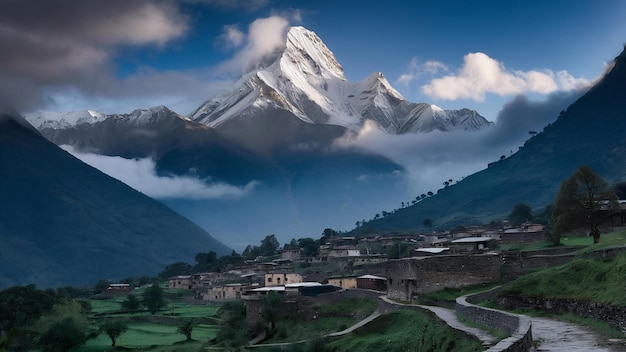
(449,316)
(549,334)
(555,335)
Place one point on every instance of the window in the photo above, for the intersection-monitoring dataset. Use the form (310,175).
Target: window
(269,280)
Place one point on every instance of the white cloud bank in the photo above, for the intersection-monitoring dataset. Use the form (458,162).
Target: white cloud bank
(141,175)
(482,74)
(432,158)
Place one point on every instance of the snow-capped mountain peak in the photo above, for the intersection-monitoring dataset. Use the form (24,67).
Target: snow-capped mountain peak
(58,120)
(307,80)
(305,49)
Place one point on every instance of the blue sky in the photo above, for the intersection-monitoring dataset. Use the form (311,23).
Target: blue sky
(114,56)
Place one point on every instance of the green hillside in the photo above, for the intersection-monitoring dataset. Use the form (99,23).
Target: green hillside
(591,132)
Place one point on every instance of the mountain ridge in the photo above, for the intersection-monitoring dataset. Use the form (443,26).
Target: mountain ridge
(308,81)
(65,223)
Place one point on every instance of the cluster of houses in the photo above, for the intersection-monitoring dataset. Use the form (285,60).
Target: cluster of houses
(364,257)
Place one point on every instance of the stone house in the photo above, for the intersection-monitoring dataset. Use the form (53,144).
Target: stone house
(290,254)
(117,290)
(344,251)
(225,293)
(372,282)
(345,283)
(278,279)
(471,244)
(409,277)
(181,281)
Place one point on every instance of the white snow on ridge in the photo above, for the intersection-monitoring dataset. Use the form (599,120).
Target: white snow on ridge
(63,120)
(307,80)
(58,120)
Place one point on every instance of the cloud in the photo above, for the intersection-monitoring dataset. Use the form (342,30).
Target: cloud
(265,36)
(232,36)
(249,5)
(58,44)
(482,74)
(434,157)
(416,70)
(140,174)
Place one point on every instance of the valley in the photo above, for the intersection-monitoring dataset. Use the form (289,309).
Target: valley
(312,176)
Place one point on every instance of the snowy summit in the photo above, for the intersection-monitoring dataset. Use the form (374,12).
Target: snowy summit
(306,80)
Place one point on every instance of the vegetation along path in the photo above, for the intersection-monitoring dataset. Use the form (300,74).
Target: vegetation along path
(449,316)
(549,334)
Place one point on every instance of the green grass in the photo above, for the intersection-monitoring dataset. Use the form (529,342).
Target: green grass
(349,306)
(606,240)
(581,279)
(406,331)
(447,296)
(332,317)
(143,335)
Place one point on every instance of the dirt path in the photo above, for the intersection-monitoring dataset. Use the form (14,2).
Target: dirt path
(555,335)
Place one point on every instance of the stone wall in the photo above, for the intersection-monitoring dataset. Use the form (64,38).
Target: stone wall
(613,315)
(410,277)
(516,263)
(518,326)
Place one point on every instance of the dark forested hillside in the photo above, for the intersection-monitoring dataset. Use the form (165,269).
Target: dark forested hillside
(65,223)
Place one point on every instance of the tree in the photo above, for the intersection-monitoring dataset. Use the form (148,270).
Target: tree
(399,250)
(309,246)
(131,303)
(428,222)
(269,245)
(293,244)
(206,262)
(114,329)
(21,306)
(271,305)
(251,252)
(521,213)
(63,335)
(63,328)
(583,201)
(175,269)
(153,298)
(186,327)
(100,286)
(232,331)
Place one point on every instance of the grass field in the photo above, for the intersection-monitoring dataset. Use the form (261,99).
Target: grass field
(154,333)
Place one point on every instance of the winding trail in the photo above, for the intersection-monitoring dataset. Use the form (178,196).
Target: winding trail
(555,335)
(449,316)
(551,335)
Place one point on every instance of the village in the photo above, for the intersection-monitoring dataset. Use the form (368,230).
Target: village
(370,262)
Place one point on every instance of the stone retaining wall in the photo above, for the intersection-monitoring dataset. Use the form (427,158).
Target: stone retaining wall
(519,326)
(407,278)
